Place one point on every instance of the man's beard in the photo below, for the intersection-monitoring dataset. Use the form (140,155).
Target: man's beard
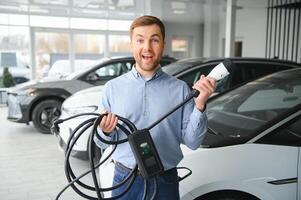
(147,67)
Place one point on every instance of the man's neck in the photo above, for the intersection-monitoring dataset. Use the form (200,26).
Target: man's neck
(147,74)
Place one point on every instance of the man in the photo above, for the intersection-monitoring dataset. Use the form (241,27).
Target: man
(142,96)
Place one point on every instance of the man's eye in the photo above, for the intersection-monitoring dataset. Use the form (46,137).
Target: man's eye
(139,41)
(156,40)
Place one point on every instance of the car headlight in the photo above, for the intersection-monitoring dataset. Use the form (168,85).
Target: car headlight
(27,92)
(78,110)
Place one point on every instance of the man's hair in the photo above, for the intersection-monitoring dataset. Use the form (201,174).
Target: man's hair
(146,20)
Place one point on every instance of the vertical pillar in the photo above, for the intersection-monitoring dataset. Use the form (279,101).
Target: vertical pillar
(230,28)
(211,29)
(71,51)
(32,52)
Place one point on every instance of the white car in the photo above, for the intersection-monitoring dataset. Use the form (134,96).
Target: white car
(252,148)
(89,100)
(188,70)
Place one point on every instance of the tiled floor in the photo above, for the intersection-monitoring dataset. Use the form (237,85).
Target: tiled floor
(31,164)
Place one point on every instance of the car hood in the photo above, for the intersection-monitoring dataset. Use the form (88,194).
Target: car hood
(69,85)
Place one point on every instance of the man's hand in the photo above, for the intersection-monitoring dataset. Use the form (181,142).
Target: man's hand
(108,123)
(206,87)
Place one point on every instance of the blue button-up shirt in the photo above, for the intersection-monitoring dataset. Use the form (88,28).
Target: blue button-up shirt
(145,101)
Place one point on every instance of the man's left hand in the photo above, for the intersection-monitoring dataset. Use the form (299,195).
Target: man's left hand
(206,86)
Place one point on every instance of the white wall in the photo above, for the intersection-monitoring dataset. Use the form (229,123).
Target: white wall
(251,27)
(208,35)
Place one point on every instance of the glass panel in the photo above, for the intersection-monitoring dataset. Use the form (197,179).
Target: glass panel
(56,22)
(52,2)
(92,24)
(119,25)
(96,4)
(18,19)
(252,106)
(113,70)
(180,47)
(3,18)
(16,40)
(14,51)
(89,44)
(119,45)
(50,47)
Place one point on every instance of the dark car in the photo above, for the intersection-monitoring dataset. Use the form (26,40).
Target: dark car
(190,70)
(40,102)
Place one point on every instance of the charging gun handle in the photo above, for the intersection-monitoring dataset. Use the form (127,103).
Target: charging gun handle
(194,93)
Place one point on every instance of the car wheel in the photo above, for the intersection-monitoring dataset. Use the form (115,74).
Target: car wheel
(227,195)
(44,113)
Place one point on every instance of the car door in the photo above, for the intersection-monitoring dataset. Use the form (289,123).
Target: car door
(275,107)
(105,73)
(283,147)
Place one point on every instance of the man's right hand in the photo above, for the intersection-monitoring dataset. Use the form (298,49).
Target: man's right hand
(108,123)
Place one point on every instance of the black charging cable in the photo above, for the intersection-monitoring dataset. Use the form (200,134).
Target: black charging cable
(128,128)
(78,131)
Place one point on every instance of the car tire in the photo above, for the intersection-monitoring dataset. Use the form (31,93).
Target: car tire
(227,195)
(44,113)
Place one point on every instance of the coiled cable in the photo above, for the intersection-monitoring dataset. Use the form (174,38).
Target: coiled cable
(127,129)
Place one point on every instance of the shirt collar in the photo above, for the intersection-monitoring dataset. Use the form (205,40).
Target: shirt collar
(136,74)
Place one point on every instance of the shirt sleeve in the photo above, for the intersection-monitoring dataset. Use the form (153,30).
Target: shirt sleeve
(105,105)
(194,125)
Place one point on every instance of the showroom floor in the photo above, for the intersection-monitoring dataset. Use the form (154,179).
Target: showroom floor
(31,164)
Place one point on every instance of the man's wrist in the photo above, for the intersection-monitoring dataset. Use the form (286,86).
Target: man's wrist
(202,108)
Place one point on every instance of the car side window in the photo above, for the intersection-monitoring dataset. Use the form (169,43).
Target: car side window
(250,71)
(193,76)
(288,134)
(110,71)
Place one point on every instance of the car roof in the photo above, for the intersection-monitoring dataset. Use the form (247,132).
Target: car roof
(113,60)
(184,64)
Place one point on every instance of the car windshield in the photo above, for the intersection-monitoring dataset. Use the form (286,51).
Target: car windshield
(246,109)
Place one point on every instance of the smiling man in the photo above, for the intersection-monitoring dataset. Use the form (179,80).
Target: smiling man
(142,96)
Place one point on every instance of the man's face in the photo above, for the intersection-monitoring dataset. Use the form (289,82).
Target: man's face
(147,46)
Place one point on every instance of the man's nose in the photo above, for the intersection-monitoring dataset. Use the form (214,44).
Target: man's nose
(147,45)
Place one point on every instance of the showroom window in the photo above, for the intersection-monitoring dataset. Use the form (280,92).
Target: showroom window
(119,45)
(180,47)
(50,47)
(15,40)
(89,46)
